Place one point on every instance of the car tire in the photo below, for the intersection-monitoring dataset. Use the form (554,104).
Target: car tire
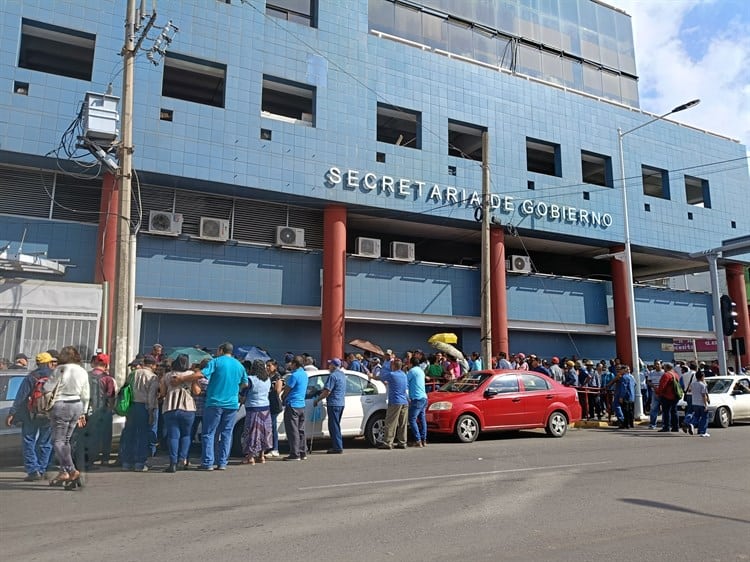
(375,429)
(557,424)
(467,428)
(723,417)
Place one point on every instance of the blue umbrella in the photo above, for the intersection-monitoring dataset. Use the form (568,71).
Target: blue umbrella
(251,353)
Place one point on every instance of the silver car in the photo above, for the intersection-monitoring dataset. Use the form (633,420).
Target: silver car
(10,437)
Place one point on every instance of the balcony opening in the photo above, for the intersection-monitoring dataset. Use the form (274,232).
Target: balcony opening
(465,140)
(543,157)
(399,126)
(288,101)
(190,79)
(596,169)
(655,182)
(56,50)
(697,192)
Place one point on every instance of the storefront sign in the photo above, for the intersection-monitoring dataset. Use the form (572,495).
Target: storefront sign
(414,190)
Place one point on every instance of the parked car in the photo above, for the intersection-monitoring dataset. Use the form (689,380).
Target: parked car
(364,412)
(10,437)
(499,400)
(730,400)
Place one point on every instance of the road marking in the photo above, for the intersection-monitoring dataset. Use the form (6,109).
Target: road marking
(455,475)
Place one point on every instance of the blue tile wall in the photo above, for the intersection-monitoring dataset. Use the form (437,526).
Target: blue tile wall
(58,240)
(661,308)
(204,271)
(556,300)
(353,71)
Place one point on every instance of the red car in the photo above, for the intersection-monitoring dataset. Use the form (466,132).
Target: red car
(501,400)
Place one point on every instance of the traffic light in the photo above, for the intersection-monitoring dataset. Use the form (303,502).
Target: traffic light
(728,315)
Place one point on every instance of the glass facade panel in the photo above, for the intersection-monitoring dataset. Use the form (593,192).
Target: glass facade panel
(408,23)
(460,39)
(382,15)
(485,47)
(579,29)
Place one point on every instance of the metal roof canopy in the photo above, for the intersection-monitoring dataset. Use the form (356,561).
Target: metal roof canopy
(30,263)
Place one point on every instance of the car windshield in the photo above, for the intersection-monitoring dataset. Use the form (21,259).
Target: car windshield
(467,383)
(718,386)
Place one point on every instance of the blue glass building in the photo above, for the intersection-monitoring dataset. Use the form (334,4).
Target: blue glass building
(258,117)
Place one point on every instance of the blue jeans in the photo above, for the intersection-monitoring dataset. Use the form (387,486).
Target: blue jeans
(654,413)
(178,424)
(153,436)
(334,426)
(417,418)
(217,421)
(135,449)
(37,445)
(700,418)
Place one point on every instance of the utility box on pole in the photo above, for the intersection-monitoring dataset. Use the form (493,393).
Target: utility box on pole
(101,120)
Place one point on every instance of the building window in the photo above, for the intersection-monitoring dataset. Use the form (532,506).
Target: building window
(56,50)
(543,157)
(288,101)
(697,193)
(190,79)
(298,11)
(655,182)
(530,185)
(380,157)
(399,126)
(465,140)
(596,169)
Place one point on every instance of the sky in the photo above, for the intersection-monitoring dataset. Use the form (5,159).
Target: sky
(687,49)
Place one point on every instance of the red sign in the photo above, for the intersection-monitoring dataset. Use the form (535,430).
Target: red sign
(690,346)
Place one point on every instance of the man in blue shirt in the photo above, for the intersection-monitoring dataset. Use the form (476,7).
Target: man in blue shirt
(417,403)
(226,377)
(398,404)
(626,396)
(293,397)
(334,392)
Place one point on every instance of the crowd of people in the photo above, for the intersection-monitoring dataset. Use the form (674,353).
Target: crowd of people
(170,399)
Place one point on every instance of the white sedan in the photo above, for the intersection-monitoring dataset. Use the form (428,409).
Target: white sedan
(364,411)
(730,399)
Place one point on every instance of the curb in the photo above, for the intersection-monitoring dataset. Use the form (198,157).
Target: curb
(596,424)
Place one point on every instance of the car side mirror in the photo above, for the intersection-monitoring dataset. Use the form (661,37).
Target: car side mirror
(490,392)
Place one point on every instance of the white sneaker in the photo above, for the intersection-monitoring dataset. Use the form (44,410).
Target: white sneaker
(705,435)
(273,454)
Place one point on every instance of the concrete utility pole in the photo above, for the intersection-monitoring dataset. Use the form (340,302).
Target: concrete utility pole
(486,333)
(122,306)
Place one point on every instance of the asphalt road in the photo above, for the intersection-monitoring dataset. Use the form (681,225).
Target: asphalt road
(596,494)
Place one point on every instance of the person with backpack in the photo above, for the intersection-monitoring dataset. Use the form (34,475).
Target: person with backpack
(669,393)
(68,387)
(36,433)
(99,424)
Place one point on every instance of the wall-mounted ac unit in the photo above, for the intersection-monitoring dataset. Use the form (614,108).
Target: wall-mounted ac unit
(216,230)
(288,236)
(164,223)
(402,251)
(520,264)
(368,247)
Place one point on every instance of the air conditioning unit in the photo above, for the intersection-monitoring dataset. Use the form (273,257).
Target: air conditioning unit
(368,247)
(402,251)
(288,236)
(216,230)
(164,223)
(520,264)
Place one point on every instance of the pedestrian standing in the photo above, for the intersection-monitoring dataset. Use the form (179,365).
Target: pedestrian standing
(140,416)
(701,400)
(275,405)
(257,437)
(178,412)
(334,393)
(36,433)
(293,398)
(668,398)
(98,430)
(226,377)
(652,382)
(398,406)
(415,380)
(70,387)
(627,396)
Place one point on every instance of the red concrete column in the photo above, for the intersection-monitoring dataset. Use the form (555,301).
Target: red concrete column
(106,249)
(738,293)
(334,280)
(621,301)
(498,292)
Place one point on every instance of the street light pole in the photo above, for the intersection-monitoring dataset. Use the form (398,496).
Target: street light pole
(635,358)
(486,304)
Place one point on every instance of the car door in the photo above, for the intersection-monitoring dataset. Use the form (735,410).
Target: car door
(538,394)
(10,437)
(354,410)
(741,394)
(502,403)
(315,424)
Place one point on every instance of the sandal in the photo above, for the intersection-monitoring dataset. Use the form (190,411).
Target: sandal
(262,460)
(248,460)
